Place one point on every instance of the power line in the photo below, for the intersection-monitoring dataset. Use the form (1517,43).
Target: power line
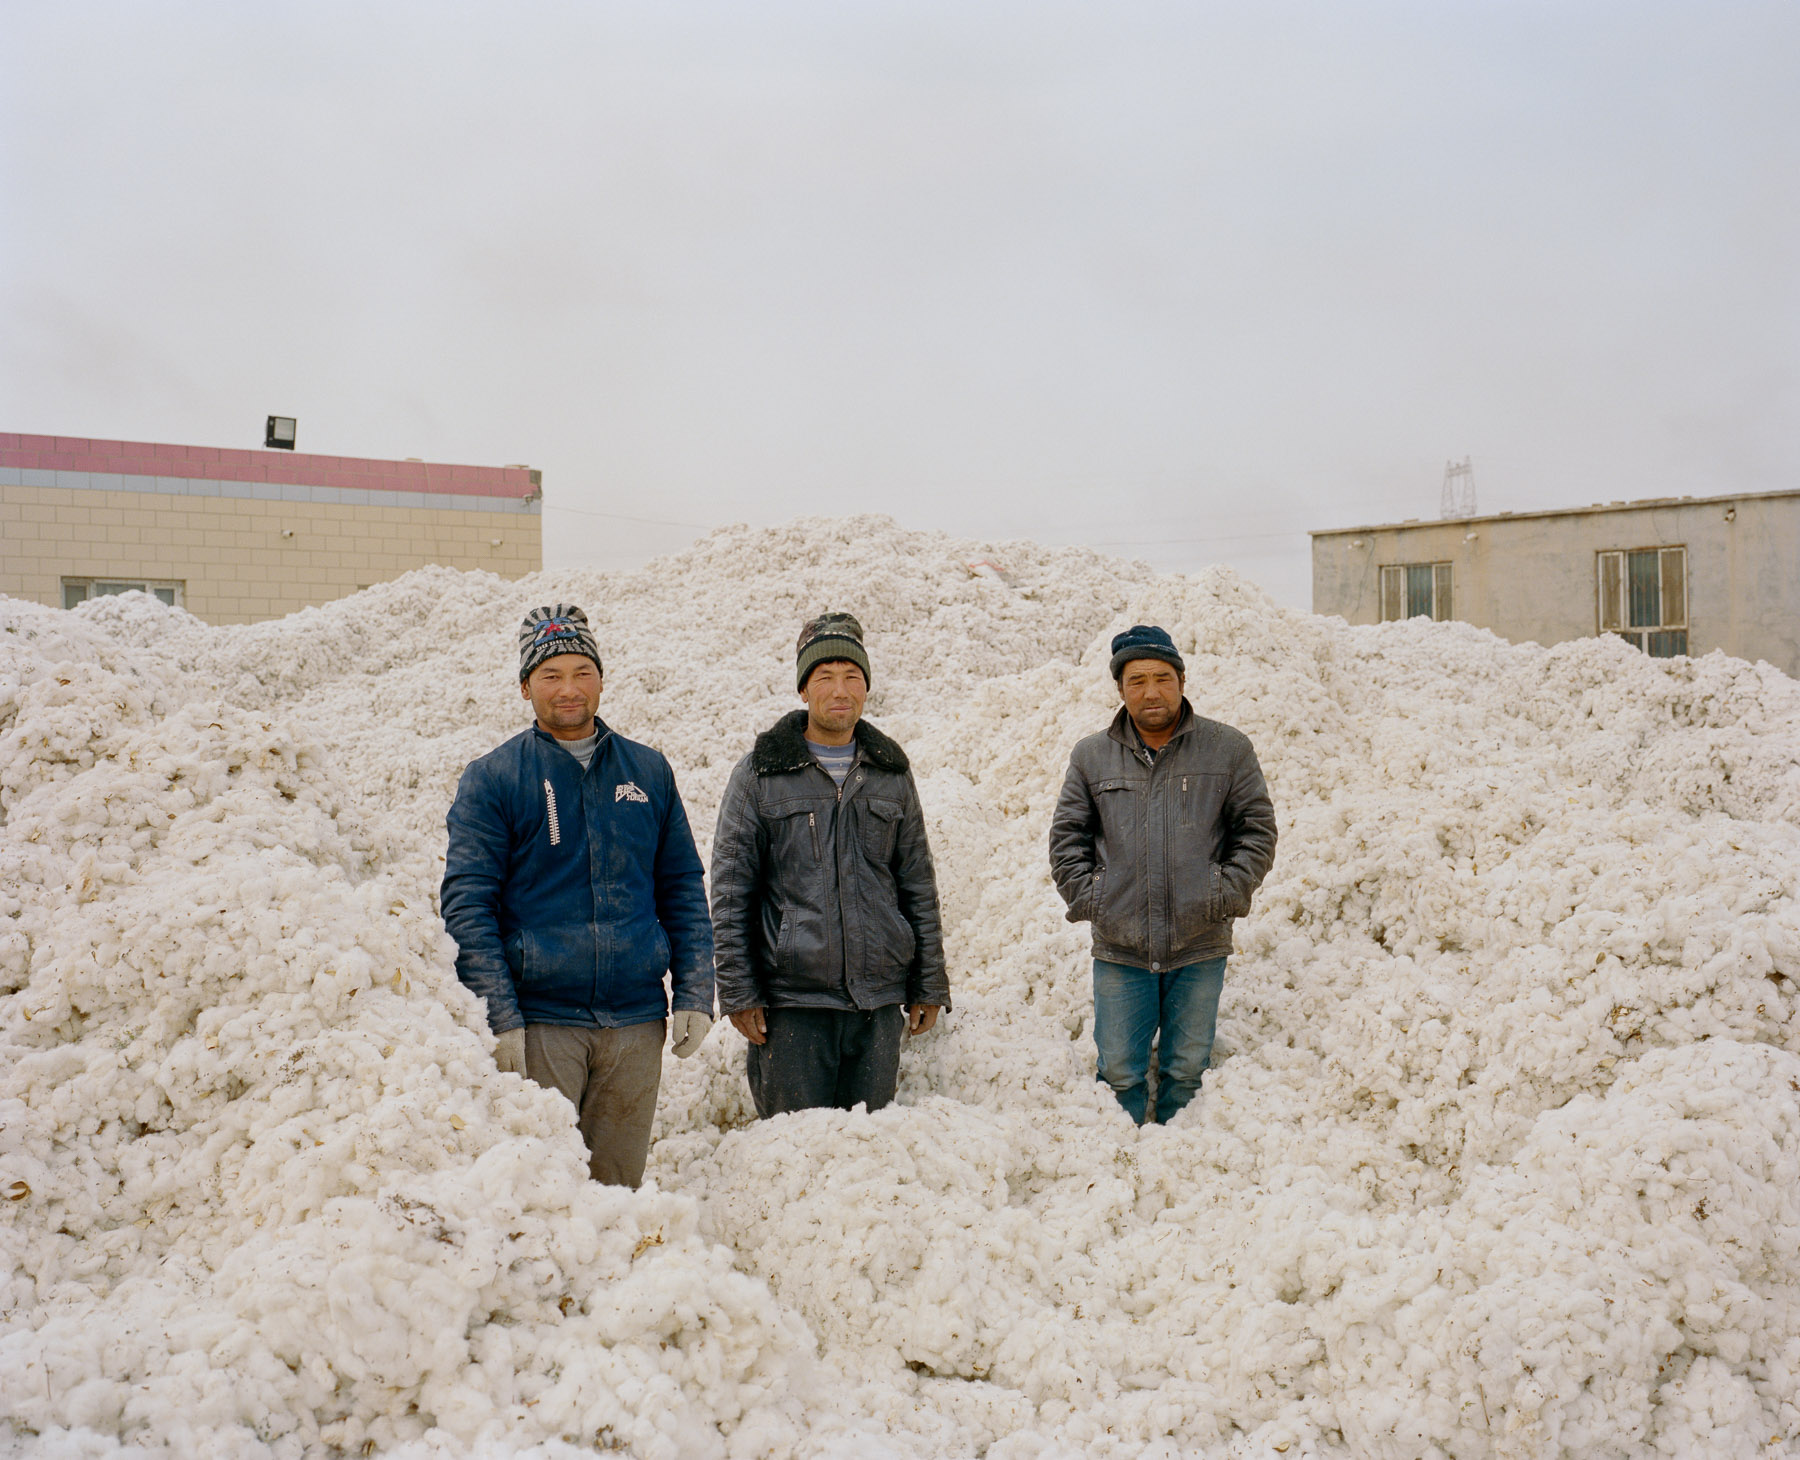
(550,506)
(1193,541)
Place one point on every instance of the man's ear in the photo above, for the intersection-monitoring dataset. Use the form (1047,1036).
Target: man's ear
(524,689)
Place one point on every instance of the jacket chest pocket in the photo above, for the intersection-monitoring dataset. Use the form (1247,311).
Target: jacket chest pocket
(794,831)
(878,825)
(1200,799)
(1119,802)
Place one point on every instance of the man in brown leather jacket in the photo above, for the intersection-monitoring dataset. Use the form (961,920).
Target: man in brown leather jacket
(1162,832)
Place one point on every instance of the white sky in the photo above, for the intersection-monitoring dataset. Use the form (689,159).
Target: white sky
(1177,280)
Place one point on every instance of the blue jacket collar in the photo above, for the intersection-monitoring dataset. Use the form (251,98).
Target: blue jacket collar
(600,726)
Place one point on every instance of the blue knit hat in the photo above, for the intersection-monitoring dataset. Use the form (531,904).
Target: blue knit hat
(1145,641)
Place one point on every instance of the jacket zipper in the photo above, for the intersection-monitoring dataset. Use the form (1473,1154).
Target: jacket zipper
(1168,878)
(812,823)
(550,807)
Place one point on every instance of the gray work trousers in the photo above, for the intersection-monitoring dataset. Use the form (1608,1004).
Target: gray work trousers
(610,1076)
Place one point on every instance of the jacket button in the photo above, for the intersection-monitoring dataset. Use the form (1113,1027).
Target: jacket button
(1156,968)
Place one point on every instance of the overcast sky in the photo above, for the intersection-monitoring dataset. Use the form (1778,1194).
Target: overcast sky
(1177,280)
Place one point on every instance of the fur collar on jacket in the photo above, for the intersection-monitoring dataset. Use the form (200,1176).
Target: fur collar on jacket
(782,747)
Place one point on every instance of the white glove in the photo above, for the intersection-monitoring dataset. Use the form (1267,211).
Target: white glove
(509,1052)
(687,1031)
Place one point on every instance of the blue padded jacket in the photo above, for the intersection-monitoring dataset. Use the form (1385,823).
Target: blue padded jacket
(570,893)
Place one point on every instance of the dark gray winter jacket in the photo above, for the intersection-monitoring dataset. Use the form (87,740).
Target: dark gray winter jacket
(822,901)
(1161,852)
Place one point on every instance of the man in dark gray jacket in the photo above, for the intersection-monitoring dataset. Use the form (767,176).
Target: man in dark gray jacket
(827,942)
(1163,831)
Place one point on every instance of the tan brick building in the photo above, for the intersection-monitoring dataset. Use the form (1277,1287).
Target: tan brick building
(1670,575)
(236,536)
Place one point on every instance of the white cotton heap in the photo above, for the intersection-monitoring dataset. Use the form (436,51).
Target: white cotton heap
(1499,1156)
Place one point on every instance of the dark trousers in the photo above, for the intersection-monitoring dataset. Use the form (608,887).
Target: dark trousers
(826,1057)
(611,1077)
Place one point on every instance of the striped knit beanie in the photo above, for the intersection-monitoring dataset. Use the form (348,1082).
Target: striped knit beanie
(830,636)
(560,628)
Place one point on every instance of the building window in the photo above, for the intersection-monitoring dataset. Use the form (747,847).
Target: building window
(79,590)
(1642,597)
(1415,590)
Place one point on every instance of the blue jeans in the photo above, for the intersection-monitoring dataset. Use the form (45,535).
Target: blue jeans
(1130,1005)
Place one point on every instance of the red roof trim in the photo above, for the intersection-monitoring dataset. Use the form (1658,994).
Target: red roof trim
(223,464)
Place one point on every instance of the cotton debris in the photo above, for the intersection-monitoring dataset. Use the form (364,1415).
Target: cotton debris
(1499,1155)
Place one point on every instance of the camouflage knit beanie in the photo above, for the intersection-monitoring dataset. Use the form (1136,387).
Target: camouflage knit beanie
(830,636)
(559,628)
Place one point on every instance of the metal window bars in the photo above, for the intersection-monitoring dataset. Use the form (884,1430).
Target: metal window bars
(1641,594)
(1416,590)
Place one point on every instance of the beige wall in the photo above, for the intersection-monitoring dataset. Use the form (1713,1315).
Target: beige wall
(230,552)
(1532,577)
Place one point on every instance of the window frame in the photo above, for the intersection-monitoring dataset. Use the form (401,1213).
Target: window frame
(1613,610)
(175,588)
(1391,584)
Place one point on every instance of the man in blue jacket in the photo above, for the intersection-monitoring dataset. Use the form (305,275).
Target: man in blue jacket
(571,885)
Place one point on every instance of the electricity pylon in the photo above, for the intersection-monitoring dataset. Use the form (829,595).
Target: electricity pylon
(1459,488)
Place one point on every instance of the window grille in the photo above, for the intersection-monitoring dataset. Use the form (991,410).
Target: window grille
(1415,590)
(1641,594)
(79,590)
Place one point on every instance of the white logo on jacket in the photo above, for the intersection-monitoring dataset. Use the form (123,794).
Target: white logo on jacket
(629,792)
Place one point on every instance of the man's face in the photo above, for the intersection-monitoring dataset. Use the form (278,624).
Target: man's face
(1151,690)
(564,692)
(834,696)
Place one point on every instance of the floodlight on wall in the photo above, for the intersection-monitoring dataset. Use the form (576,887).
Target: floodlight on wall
(280,432)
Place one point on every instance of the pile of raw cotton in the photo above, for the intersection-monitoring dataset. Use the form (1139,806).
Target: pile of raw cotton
(1500,1154)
